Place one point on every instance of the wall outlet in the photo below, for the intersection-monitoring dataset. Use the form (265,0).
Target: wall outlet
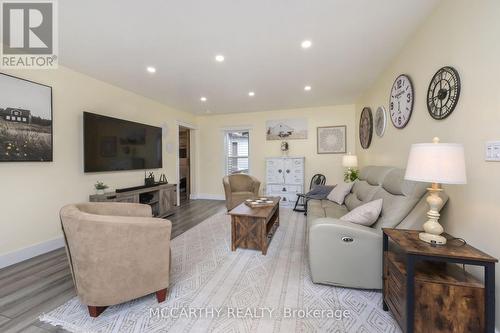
(492,152)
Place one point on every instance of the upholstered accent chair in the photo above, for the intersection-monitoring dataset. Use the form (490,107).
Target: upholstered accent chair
(350,255)
(117,252)
(238,188)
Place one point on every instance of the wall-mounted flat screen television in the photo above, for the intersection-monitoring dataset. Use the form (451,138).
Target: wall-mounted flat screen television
(112,144)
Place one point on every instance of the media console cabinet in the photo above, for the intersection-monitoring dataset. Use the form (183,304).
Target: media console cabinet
(162,197)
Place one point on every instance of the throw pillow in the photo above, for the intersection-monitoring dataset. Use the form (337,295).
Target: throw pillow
(339,192)
(319,192)
(366,214)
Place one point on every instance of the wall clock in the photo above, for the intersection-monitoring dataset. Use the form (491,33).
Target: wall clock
(401,101)
(443,93)
(366,128)
(380,121)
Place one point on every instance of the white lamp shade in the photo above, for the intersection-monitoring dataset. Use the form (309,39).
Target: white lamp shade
(349,161)
(436,163)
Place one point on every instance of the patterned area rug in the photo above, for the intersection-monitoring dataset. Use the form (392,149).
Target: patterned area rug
(216,290)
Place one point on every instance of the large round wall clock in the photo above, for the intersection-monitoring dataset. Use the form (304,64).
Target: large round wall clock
(401,101)
(443,93)
(380,121)
(366,128)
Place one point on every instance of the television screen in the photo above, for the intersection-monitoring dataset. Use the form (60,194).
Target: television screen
(112,144)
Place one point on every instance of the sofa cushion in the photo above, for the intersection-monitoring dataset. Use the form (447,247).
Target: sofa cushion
(374,175)
(366,214)
(362,192)
(335,211)
(399,197)
(339,192)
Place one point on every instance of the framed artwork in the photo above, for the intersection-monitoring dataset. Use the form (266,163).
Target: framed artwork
(286,129)
(25,120)
(331,139)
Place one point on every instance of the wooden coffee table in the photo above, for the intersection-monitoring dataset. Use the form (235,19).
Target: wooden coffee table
(253,228)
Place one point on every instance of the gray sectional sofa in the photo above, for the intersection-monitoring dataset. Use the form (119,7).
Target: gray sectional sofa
(350,255)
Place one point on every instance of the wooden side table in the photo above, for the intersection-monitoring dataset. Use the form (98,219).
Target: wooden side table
(421,276)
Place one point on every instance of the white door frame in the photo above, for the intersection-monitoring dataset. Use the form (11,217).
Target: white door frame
(191,159)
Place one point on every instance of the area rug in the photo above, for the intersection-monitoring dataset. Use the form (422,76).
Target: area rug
(216,290)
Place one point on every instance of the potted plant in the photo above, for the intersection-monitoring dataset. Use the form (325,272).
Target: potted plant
(100,187)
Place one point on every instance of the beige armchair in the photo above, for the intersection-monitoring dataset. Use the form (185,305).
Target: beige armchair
(117,252)
(238,188)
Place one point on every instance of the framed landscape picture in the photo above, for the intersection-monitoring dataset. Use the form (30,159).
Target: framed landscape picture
(25,120)
(286,129)
(331,140)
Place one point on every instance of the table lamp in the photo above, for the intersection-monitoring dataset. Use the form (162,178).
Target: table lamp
(436,163)
(351,163)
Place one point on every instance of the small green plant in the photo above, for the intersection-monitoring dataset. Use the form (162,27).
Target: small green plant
(100,186)
(351,175)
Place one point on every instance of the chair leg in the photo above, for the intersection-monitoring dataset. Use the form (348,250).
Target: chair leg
(95,311)
(161,295)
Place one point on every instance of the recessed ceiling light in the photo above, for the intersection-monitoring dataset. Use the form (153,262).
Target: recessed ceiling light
(219,58)
(306,44)
(251,94)
(151,69)
(203,99)
(307,88)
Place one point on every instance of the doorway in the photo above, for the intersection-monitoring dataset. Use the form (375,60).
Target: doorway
(184,164)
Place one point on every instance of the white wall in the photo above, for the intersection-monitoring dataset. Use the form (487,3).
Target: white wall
(464,34)
(32,193)
(211,135)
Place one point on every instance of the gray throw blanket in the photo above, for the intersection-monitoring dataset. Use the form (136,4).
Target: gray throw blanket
(319,192)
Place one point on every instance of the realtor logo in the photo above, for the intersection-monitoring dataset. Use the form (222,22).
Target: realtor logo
(29,38)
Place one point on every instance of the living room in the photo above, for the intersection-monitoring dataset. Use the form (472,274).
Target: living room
(255,85)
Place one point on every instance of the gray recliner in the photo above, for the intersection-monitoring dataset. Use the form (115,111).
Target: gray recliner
(358,264)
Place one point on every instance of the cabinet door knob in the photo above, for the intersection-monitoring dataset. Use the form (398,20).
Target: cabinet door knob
(284,189)
(287,171)
(280,171)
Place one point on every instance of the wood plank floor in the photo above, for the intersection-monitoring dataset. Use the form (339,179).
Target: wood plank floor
(41,284)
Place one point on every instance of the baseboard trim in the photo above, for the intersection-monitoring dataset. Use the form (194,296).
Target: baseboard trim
(29,252)
(208,196)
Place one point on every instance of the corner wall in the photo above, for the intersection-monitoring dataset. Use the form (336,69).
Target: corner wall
(463,34)
(32,193)
(211,154)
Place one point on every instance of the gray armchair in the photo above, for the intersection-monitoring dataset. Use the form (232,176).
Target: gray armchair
(238,188)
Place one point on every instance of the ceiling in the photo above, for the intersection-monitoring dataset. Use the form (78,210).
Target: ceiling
(353,41)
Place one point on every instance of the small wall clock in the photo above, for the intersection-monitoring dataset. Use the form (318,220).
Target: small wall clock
(366,128)
(401,101)
(380,121)
(443,93)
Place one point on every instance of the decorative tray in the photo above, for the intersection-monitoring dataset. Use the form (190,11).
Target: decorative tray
(260,202)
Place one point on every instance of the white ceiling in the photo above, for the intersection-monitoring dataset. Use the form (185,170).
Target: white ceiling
(353,42)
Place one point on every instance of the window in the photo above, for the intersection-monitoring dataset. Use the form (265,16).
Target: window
(236,151)
(7,117)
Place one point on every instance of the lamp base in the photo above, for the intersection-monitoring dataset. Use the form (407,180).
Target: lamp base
(432,239)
